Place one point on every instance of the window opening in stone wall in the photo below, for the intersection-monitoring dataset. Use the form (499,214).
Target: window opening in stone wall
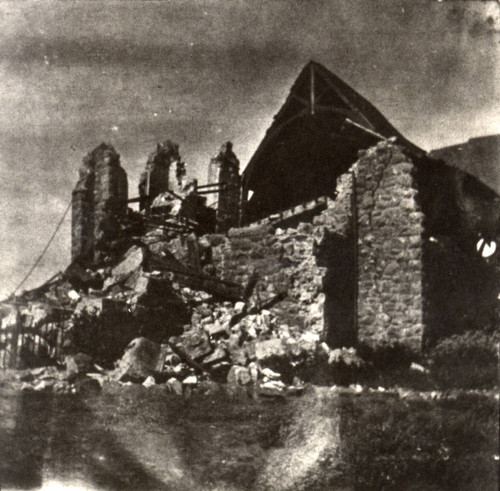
(486,248)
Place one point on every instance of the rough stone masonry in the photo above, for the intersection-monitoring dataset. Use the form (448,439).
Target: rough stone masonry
(164,171)
(389,249)
(224,170)
(99,200)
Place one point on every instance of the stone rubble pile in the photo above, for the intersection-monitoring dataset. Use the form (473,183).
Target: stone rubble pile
(183,331)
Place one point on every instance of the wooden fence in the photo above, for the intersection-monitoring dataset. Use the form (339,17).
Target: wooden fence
(26,346)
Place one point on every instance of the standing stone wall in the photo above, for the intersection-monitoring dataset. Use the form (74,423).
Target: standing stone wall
(389,249)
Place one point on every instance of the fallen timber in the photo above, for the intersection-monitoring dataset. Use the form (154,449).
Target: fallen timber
(217,287)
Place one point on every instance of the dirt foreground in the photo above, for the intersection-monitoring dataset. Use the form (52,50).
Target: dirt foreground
(133,437)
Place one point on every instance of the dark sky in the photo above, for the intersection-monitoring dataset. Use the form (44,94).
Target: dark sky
(201,72)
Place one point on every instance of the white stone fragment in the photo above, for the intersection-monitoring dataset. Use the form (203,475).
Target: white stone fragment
(310,337)
(190,380)
(273,384)
(270,374)
(73,295)
(174,386)
(418,368)
(149,382)
(239,306)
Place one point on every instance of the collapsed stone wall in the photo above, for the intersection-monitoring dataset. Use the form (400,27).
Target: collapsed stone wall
(361,268)
(389,249)
(284,266)
(311,260)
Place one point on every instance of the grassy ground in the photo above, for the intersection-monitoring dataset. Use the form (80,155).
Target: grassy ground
(130,437)
(451,443)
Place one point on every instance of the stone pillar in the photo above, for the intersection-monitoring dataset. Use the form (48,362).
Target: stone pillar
(99,201)
(224,169)
(389,249)
(160,173)
(110,195)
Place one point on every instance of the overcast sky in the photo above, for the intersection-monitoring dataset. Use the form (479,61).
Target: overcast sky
(201,72)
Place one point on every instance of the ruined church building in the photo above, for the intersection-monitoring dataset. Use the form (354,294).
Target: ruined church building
(403,246)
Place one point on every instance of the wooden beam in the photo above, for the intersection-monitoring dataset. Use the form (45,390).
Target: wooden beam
(347,102)
(305,103)
(374,133)
(203,186)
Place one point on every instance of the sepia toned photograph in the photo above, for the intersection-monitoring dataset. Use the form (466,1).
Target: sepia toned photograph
(249,245)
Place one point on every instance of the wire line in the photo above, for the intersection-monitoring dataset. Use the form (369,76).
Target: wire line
(28,274)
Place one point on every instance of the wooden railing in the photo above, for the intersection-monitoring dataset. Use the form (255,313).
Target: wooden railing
(24,346)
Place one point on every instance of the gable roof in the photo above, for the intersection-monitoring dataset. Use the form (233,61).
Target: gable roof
(318,91)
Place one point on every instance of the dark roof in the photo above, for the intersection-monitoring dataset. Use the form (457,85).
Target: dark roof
(317,90)
(478,156)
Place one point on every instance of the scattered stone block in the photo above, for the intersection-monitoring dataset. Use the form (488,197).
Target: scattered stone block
(190,380)
(134,258)
(174,385)
(215,329)
(196,344)
(272,348)
(239,307)
(239,376)
(142,358)
(149,382)
(217,356)
(78,364)
(272,389)
(239,356)
(74,296)
(271,374)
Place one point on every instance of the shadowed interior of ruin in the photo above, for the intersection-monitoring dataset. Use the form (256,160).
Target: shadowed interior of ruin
(337,254)
(460,287)
(303,164)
